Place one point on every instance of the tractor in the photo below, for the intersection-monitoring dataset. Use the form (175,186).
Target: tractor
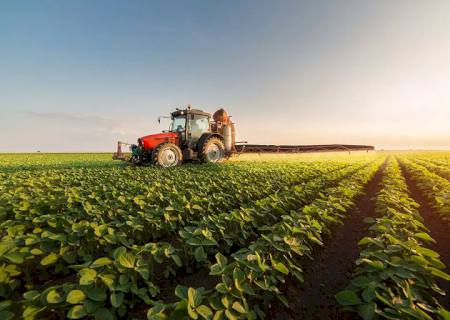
(194,135)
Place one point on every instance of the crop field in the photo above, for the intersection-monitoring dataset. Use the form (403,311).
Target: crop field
(313,236)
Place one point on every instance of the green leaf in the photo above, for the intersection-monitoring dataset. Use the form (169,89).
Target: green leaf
(440,274)
(181,292)
(367,311)
(280,267)
(238,307)
(347,298)
(5,304)
(444,314)
(100,262)
(54,296)
(143,271)
(200,254)
(201,242)
(31,295)
(238,275)
(204,311)
(364,241)
(96,294)
(361,281)
(229,315)
(77,312)
(116,299)
(369,293)
(191,312)
(216,269)
(427,252)
(119,251)
(75,297)
(375,264)
(196,207)
(36,252)
(283,299)
(194,297)
(103,314)
(87,276)
(226,301)
(219,315)
(91,306)
(177,260)
(108,279)
(419,260)
(31,311)
(127,260)
(298,275)
(221,259)
(15,257)
(424,236)
(156,313)
(6,315)
(222,288)
(247,288)
(50,259)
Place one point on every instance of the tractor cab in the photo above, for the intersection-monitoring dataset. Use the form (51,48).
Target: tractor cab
(190,125)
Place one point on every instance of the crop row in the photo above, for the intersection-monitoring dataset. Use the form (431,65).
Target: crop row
(439,169)
(435,188)
(440,162)
(104,257)
(395,275)
(250,277)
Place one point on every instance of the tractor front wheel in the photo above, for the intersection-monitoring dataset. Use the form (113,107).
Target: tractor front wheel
(213,150)
(167,155)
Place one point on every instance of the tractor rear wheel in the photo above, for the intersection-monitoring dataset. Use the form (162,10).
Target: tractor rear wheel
(167,155)
(213,150)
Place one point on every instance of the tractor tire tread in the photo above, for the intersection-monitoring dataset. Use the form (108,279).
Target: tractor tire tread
(216,140)
(162,146)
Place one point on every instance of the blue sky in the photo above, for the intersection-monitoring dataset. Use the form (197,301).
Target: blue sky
(79,75)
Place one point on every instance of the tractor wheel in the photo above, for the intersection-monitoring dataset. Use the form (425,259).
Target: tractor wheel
(213,150)
(167,155)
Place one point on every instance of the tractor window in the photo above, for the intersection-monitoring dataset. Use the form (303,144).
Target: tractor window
(178,124)
(199,124)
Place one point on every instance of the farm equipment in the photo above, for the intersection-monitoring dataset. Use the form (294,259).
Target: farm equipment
(197,135)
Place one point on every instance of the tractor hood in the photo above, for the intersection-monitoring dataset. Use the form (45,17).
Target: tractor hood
(153,140)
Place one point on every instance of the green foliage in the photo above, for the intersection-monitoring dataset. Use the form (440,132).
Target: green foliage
(96,240)
(287,229)
(434,181)
(396,274)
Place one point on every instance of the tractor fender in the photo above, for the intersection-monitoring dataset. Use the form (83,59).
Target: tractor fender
(204,137)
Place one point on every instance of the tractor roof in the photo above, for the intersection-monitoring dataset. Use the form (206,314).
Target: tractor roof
(190,111)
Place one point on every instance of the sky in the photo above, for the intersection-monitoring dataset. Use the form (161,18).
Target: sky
(78,75)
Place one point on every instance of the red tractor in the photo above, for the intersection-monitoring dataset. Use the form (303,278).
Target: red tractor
(196,135)
(193,135)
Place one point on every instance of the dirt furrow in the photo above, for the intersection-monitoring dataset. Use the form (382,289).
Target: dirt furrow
(439,230)
(331,269)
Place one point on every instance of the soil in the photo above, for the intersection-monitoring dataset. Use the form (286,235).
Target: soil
(439,231)
(332,267)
